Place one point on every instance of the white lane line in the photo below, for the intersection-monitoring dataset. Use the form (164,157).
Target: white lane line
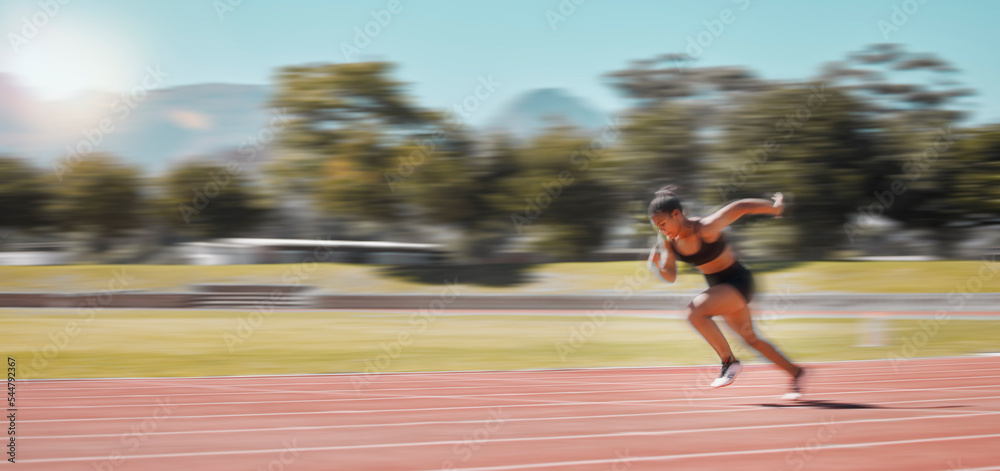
(373,382)
(375,394)
(637,402)
(370,390)
(988,468)
(470,396)
(730,409)
(512,439)
(552,376)
(632,459)
(849,365)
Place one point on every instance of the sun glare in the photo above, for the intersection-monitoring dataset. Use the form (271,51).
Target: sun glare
(63,61)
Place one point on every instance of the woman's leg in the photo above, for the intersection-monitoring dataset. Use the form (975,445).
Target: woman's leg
(714,301)
(740,321)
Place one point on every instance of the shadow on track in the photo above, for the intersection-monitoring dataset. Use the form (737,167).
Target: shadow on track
(817,404)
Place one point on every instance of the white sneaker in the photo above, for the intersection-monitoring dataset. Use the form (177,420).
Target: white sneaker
(728,374)
(796,392)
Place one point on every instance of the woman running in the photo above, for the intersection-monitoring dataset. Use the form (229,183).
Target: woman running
(731,286)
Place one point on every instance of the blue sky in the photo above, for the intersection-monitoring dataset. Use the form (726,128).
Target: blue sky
(444,47)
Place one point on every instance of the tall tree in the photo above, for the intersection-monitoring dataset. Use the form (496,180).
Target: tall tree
(976,184)
(677,111)
(668,77)
(211,200)
(353,119)
(468,189)
(100,196)
(562,193)
(916,103)
(659,144)
(807,141)
(24,194)
(915,89)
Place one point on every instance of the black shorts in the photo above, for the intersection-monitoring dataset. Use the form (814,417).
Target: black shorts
(736,275)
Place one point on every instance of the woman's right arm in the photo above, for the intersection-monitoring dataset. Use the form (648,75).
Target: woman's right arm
(662,260)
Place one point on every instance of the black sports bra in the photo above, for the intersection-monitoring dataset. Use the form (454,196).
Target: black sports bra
(707,252)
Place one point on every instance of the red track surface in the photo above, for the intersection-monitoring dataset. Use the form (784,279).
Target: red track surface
(931,414)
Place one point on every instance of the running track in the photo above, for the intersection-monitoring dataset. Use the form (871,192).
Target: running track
(928,414)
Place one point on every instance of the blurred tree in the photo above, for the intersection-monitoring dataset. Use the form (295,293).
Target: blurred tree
(669,77)
(296,179)
(659,145)
(100,196)
(562,193)
(24,194)
(677,112)
(352,180)
(976,188)
(349,122)
(915,89)
(470,191)
(211,200)
(915,102)
(803,140)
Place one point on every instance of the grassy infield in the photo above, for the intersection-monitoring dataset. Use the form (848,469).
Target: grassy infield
(63,343)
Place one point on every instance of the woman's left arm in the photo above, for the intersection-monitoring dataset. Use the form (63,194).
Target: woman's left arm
(713,225)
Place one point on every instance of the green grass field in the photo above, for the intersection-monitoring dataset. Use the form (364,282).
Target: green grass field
(131,343)
(556,278)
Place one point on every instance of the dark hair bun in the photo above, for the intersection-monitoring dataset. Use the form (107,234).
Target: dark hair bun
(669,190)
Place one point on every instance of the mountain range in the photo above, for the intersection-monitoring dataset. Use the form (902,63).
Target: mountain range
(204,121)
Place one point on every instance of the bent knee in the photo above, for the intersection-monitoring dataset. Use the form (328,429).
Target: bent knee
(695,313)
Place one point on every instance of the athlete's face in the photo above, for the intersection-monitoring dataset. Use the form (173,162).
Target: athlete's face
(668,224)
